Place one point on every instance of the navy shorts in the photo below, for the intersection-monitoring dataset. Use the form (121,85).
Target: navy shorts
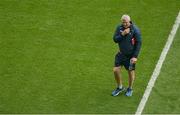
(123,60)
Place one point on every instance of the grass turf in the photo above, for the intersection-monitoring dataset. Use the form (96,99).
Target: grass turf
(165,94)
(57,56)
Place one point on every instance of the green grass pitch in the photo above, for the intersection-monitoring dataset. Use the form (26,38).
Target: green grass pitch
(165,95)
(56,56)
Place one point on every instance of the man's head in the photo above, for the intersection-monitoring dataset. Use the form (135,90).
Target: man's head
(125,19)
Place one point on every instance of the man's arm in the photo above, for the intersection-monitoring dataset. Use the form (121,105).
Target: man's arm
(117,36)
(138,43)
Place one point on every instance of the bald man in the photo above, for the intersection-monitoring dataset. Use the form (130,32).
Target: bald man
(128,38)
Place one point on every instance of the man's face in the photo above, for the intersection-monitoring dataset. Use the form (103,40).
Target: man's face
(126,23)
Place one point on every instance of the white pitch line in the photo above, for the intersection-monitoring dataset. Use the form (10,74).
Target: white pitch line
(158,67)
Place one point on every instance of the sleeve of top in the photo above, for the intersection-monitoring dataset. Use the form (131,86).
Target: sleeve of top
(117,36)
(138,43)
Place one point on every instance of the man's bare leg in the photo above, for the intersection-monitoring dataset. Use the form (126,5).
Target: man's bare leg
(117,75)
(131,78)
(118,78)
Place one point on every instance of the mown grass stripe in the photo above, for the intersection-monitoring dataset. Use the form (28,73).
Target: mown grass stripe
(158,66)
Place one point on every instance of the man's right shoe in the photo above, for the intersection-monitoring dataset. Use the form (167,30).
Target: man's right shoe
(117,91)
(129,92)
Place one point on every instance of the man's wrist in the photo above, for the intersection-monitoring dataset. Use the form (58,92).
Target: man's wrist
(134,56)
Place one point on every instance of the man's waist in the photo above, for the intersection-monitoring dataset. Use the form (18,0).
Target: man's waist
(126,54)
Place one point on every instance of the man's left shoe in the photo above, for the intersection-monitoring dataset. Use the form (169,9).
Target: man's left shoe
(129,92)
(117,91)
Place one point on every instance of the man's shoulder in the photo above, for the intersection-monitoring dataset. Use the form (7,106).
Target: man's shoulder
(136,29)
(119,27)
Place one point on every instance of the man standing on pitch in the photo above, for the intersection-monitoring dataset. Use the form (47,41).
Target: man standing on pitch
(128,37)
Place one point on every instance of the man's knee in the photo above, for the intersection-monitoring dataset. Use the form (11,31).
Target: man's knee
(131,72)
(116,69)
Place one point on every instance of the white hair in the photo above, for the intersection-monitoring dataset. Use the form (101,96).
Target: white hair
(126,17)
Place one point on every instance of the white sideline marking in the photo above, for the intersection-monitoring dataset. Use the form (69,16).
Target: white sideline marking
(158,67)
